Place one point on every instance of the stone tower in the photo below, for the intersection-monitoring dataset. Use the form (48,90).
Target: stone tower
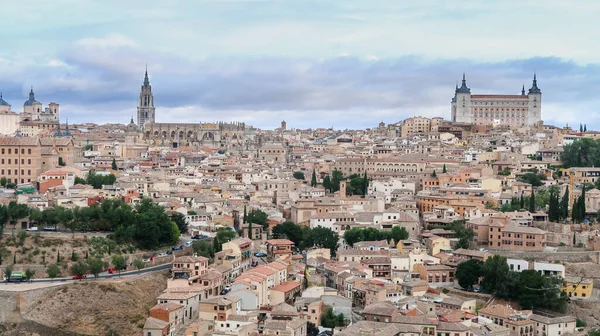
(145,109)
(461,103)
(535,103)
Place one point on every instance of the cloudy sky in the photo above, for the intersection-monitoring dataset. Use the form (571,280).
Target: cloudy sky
(313,63)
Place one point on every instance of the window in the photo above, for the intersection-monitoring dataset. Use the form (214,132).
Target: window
(29,151)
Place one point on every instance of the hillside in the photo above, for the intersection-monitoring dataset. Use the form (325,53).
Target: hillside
(93,308)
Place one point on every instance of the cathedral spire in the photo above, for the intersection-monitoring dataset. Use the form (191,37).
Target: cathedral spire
(58,133)
(31,94)
(67,132)
(146,80)
(523,90)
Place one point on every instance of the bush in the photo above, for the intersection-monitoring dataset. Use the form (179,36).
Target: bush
(579,323)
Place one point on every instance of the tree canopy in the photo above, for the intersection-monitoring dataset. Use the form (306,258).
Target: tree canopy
(468,273)
(584,152)
(299,175)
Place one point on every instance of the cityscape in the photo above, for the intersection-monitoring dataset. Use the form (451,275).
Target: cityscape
(301,207)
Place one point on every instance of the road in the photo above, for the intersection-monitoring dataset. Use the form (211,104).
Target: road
(104,275)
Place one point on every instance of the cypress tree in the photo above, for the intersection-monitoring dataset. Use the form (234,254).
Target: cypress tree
(250,230)
(532,202)
(245,214)
(365,184)
(444,171)
(582,205)
(58,257)
(522,204)
(580,128)
(585,127)
(574,239)
(434,174)
(15,258)
(313,179)
(564,205)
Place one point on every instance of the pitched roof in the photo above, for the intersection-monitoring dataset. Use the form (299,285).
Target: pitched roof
(154,323)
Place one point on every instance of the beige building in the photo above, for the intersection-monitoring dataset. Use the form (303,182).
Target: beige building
(415,125)
(23,159)
(272,152)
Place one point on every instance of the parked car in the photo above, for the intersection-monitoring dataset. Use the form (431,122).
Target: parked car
(169,252)
(49,228)
(164,254)
(260,254)
(78,277)
(33,228)
(177,248)
(111,271)
(146,260)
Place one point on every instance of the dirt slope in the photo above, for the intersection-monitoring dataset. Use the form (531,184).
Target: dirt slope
(95,307)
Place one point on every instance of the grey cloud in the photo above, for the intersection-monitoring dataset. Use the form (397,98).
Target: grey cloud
(346,91)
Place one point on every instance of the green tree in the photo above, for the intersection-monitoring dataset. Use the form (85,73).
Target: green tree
(53,271)
(15,258)
(58,257)
(79,268)
(74,256)
(495,271)
(336,177)
(113,165)
(433,174)
(17,211)
(313,179)
(8,272)
(399,233)
(203,248)
(444,171)
(468,273)
(179,219)
(365,190)
(327,183)
(465,235)
(3,181)
(533,179)
(61,162)
(225,235)
(216,245)
(245,215)
(564,205)
(325,238)
(331,320)
(139,264)
(299,175)
(118,262)
(353,236)
(290,231)
(250,231)
(29,273)
(532,202)
(175,234)
(259,217)
(95,266)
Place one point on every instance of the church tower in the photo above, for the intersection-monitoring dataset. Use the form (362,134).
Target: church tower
(145,109)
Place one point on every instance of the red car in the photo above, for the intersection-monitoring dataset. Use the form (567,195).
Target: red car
(111,270)
(78,277)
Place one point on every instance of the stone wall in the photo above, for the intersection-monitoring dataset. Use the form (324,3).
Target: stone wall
(571,256)
(13,304)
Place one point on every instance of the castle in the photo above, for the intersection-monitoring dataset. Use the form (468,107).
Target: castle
(33,113)
(488,109)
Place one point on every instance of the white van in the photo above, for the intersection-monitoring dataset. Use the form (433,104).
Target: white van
(33,228)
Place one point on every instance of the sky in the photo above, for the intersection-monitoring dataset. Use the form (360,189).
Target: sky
(312,63)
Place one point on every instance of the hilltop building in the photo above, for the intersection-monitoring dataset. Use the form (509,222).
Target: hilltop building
(487,109)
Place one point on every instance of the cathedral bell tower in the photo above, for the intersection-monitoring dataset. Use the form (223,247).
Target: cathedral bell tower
(145,108)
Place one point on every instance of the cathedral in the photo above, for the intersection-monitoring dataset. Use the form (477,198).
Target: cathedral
(218,135)
(523,109)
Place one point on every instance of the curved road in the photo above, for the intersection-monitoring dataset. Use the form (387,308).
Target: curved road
(103,275)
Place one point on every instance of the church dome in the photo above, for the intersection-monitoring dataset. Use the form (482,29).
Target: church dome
(3,102)
(31,99)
